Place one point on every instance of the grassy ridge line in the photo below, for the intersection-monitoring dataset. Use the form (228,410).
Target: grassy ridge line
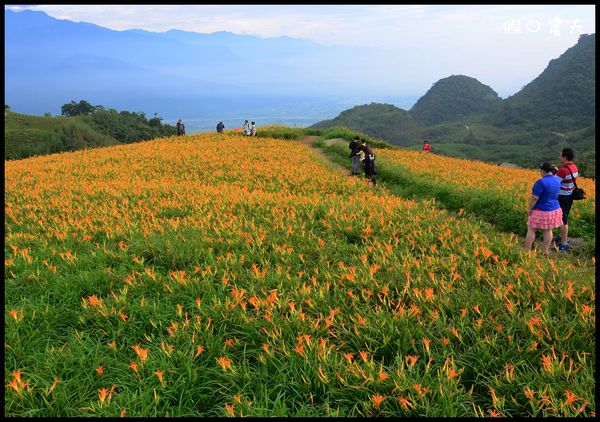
(494,206)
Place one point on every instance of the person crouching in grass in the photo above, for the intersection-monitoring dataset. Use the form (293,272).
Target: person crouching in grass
(544,210)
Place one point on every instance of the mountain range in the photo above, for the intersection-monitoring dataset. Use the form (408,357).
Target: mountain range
(49,62)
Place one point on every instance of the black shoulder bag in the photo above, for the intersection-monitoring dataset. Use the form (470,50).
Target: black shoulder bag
(577,194)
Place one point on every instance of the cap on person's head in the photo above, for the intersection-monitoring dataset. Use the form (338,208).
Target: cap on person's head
(546,167)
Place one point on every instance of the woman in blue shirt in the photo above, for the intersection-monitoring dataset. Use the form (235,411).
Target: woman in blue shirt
(544,210)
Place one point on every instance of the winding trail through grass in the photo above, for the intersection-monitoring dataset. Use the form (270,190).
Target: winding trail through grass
(309,141)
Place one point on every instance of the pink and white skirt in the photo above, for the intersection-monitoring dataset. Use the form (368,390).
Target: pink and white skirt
(539,219)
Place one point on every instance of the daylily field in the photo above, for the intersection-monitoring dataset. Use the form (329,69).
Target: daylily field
(218,275)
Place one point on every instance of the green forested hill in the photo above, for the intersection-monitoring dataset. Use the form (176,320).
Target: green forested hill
(26,135)
(562,97)
(383,121)
(453,98)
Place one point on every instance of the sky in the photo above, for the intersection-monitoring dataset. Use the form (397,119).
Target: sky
(504,46)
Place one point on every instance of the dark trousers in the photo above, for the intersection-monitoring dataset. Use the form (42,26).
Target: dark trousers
(565,202)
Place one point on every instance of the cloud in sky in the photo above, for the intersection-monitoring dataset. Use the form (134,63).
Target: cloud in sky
(430,41)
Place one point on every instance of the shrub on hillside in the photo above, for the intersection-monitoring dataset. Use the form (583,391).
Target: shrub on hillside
(348,134)
(72,135)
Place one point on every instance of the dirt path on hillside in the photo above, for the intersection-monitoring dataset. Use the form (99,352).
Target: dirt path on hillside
(308,141)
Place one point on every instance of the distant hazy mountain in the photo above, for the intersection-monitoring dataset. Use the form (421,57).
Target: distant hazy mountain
(383,121)
(562,97)
(453,98)
(49,62)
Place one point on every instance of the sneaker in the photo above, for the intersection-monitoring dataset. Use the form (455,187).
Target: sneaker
(564,248)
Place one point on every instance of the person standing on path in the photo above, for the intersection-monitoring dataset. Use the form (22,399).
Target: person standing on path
(426,146)
(220,127)
(567,174)
(180,128)
(369,161)
(246,128)
(253,129)
(355,155)
(544,210)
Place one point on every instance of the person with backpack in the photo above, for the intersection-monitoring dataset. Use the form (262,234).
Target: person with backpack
(220,127)
(180,128)
(544,210)
(369,161)
(567,174)
(355,155)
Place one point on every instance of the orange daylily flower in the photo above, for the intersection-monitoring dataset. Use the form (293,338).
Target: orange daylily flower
(405,403)
(529,393)
(14,385)
(224,362)
(141,352)
(377,399)
(426,342)
(199,350)
(14,313)
(133,366)
(570,398)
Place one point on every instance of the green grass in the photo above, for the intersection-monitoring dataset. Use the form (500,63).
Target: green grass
(284,132)
(348,134)
(18,121)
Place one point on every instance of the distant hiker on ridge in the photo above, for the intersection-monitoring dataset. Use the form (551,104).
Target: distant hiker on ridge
(220,127)
(246,128)
(426,146)
(354,155)
(253,129)
(180,128)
